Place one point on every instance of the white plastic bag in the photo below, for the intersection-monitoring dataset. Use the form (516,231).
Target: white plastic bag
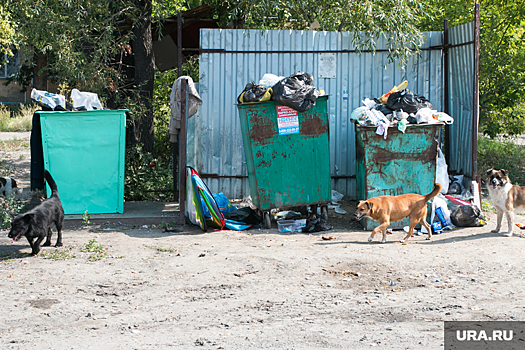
(88,100)
(425,115)
(442,172)
(444,117)
(336,197)
(369,103)
(49,99)
(268,80)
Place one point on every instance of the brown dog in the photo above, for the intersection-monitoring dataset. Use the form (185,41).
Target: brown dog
(387,209)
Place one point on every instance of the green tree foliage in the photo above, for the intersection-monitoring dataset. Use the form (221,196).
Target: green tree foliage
(8,34)
(502,57)
(82,39)
(396,21)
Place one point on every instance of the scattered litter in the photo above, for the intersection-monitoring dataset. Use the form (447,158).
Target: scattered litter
(327,238)
(287,215)
(286,226)
(336,197)
(245,273)
(338,210)
(315,224)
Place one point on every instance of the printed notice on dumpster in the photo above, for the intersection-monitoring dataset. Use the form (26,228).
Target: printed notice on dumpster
(287,120)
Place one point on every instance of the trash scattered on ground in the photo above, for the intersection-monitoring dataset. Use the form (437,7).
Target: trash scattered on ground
(245,273)
(467,216)
(286,226)
(315,224)
(336,198)
(327,238)
(286,215)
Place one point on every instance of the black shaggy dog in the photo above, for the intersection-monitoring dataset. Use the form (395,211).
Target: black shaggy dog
(36,223)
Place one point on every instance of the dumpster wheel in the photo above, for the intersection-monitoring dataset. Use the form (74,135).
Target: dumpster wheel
(324,212)
(267,221)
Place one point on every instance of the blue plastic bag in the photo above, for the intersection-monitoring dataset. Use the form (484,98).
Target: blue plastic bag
(222,202)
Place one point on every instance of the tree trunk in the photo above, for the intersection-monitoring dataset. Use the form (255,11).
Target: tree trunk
(142,46)
(39,71)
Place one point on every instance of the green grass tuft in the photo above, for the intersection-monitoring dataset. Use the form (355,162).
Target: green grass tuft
(58,254)
(98,250)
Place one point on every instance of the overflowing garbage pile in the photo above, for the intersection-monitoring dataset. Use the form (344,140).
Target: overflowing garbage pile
(82,101)
(296,91)
(397,108)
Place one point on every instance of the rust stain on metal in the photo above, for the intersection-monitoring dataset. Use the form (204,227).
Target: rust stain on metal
(312,126)
(263,129)
(264,164)
(259,154)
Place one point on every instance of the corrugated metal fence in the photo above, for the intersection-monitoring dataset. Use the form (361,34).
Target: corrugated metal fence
(231,58)
(461,63)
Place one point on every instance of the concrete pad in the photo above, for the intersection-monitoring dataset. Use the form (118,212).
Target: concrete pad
(135,213)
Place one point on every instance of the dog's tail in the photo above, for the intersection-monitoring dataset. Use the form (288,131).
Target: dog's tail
(52,184)
(435,191)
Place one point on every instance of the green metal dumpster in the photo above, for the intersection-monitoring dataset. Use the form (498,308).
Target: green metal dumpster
(287,155)
(85,153)
(403,163)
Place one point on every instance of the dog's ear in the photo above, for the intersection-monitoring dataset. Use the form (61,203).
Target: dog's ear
(504,172)
(369,205)
(490,171)
(27,217)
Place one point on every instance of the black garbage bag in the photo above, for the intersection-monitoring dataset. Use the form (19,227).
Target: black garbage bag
(383,109)
(467,216)
(407,101)
(296,91)
(246,215)
(315,224)
(254,93)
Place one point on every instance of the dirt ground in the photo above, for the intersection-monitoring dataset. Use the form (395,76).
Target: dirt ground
(255,289)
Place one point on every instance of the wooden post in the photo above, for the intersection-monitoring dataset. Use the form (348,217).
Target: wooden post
(182,149)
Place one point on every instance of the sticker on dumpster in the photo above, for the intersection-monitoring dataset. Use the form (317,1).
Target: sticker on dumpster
(287,120)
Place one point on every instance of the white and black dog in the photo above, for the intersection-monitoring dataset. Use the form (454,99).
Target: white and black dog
(505,196)
(8,185)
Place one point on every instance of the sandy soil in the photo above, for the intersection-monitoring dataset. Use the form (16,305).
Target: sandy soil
(256,289)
